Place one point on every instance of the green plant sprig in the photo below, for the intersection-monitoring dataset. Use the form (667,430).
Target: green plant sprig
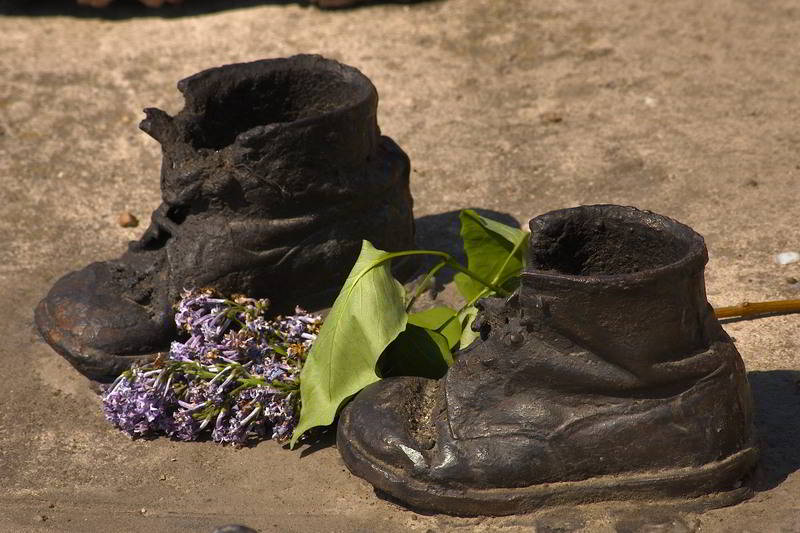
(370,332)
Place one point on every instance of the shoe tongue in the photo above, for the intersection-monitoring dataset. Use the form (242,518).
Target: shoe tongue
(159,125)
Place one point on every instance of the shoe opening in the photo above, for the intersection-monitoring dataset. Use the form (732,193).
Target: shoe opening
(587,243)
(266,97)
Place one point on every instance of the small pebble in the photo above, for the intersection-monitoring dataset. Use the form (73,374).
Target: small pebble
(785,258)
(551,117)
(40,518)
(127,220)
(791,280)
(234,528)
(162,477)
(143,510)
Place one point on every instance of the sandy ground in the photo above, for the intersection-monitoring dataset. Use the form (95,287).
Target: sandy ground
(687,108)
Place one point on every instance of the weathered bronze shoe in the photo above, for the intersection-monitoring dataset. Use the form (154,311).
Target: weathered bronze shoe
(272,175)
(605,377)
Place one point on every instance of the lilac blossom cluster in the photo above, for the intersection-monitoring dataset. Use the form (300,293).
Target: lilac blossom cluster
(234,374)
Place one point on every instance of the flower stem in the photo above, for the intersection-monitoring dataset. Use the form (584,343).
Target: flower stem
(513,252)
(424,283)
(449,260)
(746,309)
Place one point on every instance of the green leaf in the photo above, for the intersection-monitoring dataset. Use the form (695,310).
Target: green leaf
(434,318)
(367,315)
(466,318)
(494,251)
(417,351)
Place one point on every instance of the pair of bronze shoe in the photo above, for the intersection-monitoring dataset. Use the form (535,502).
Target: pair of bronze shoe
(606,376)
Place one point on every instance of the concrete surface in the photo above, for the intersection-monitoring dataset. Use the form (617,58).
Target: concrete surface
(687,108)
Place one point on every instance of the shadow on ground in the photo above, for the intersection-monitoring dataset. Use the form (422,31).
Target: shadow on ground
(126,9)
(442,232)
(325,439)
(777,417)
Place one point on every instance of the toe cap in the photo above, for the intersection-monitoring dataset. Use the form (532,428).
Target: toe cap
(87,318)
(387,425)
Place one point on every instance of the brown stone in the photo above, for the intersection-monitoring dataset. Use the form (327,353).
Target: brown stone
(126,219)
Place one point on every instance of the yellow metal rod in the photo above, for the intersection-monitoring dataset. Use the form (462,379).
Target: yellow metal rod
(758,308)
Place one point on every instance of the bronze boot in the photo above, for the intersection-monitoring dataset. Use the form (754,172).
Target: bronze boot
(272,175)
(605,377)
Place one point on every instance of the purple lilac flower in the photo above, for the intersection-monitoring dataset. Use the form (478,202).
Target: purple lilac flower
(233,428)
(282,413)
(139,407)
(184,426)
(234,374)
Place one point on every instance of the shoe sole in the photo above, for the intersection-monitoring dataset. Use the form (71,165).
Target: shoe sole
(691,489)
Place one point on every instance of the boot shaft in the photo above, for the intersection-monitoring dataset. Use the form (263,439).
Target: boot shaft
(626,284)
(272,135)
(273,173)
